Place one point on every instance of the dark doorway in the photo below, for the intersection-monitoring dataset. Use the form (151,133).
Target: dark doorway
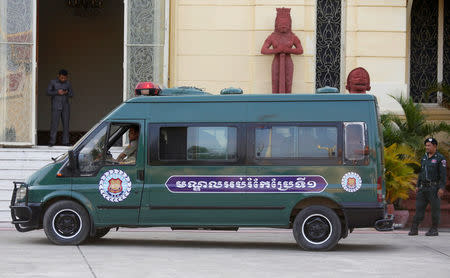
(90,46)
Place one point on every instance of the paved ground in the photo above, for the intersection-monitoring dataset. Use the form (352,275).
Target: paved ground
(247,253)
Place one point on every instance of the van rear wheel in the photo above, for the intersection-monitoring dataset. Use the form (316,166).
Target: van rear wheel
(317,228)
(66,223)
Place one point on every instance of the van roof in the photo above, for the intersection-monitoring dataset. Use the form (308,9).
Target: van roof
(253,98)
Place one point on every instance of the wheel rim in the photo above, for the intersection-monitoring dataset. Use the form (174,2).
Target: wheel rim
(67,223)
(317,229)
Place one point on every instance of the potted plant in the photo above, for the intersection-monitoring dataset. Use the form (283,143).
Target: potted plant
(410,129)
(403,138)
(399,178)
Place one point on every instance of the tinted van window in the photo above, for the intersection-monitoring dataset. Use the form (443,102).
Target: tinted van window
(296,142)
(355,141)
(198,143)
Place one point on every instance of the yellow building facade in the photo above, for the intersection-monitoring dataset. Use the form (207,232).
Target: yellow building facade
(216,44)
(209,44)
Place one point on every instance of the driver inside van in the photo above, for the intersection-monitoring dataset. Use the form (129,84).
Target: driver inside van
(128,155)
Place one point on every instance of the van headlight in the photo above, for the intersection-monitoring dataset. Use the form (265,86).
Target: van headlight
(21,193)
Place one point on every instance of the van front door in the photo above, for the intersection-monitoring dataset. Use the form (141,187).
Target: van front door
(110,177)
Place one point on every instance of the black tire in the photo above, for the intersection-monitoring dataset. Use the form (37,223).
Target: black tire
(66,223)
(99,233)
(317,228)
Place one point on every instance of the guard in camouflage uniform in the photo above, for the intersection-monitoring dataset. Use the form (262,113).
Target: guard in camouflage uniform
(430,187)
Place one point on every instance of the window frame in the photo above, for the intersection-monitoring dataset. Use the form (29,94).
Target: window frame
(107,137)
(119,123)
(365,157)
(153,158)
(295,161)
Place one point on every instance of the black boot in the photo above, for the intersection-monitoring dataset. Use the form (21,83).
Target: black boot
(414,230)
(433,231)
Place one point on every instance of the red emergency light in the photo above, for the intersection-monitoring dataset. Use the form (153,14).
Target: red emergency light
(147,89)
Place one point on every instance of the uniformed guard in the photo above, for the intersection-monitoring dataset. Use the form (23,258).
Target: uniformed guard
(430,187)
(60,90)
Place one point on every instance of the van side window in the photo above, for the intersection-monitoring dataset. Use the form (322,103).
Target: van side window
(275,141)
(198,143)
(172,143)
(296,142)
(355,141)
(318,141)
(115,153)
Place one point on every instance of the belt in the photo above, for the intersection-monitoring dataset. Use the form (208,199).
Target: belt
(429,183)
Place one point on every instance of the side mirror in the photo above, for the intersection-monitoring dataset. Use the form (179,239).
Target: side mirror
(73,162)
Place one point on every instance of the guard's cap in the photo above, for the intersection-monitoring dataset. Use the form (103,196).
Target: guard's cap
(431,140)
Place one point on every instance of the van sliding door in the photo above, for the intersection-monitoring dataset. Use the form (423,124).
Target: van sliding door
(185,181)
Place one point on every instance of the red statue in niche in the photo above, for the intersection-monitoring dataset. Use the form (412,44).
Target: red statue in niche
(358,81)
(282,42)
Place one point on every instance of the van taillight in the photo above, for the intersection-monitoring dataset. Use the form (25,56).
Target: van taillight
(380,190)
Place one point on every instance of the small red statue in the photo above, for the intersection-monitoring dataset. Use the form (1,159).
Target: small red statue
(282,42)
(358,81)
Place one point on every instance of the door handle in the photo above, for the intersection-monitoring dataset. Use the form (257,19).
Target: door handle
(140,175)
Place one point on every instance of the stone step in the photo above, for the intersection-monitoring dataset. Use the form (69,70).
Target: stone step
(23,156)
(23,164)
(410,204)
(5,194)
(6,190)
(5,216)
(16,164)
(36,149)
(436,113)
(15,174)
(444,221)
(4,205)
(7,183)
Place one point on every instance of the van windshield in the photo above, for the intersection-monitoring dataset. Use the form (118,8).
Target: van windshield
(77,144)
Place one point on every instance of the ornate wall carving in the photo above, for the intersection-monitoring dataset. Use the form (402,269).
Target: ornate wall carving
(446,76)
(424,43)
(328,45)
(145,42)
(16,62)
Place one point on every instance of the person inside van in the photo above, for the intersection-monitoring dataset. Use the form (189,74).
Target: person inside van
(128,156)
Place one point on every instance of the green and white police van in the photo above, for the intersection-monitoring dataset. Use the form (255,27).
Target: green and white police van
(310,163)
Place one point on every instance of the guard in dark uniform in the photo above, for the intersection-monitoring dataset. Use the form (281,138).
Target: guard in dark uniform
(430,187)
(60,91)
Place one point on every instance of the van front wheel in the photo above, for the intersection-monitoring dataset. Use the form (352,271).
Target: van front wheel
(66,223)
(317,228)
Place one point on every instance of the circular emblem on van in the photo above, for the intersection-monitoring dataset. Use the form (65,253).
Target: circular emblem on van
(351,182)
(115,185)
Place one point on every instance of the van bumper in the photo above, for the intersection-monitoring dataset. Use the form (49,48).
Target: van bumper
(25,216)
(369,217)
(386,224)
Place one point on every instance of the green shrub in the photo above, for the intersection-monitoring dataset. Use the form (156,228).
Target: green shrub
(399,174)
